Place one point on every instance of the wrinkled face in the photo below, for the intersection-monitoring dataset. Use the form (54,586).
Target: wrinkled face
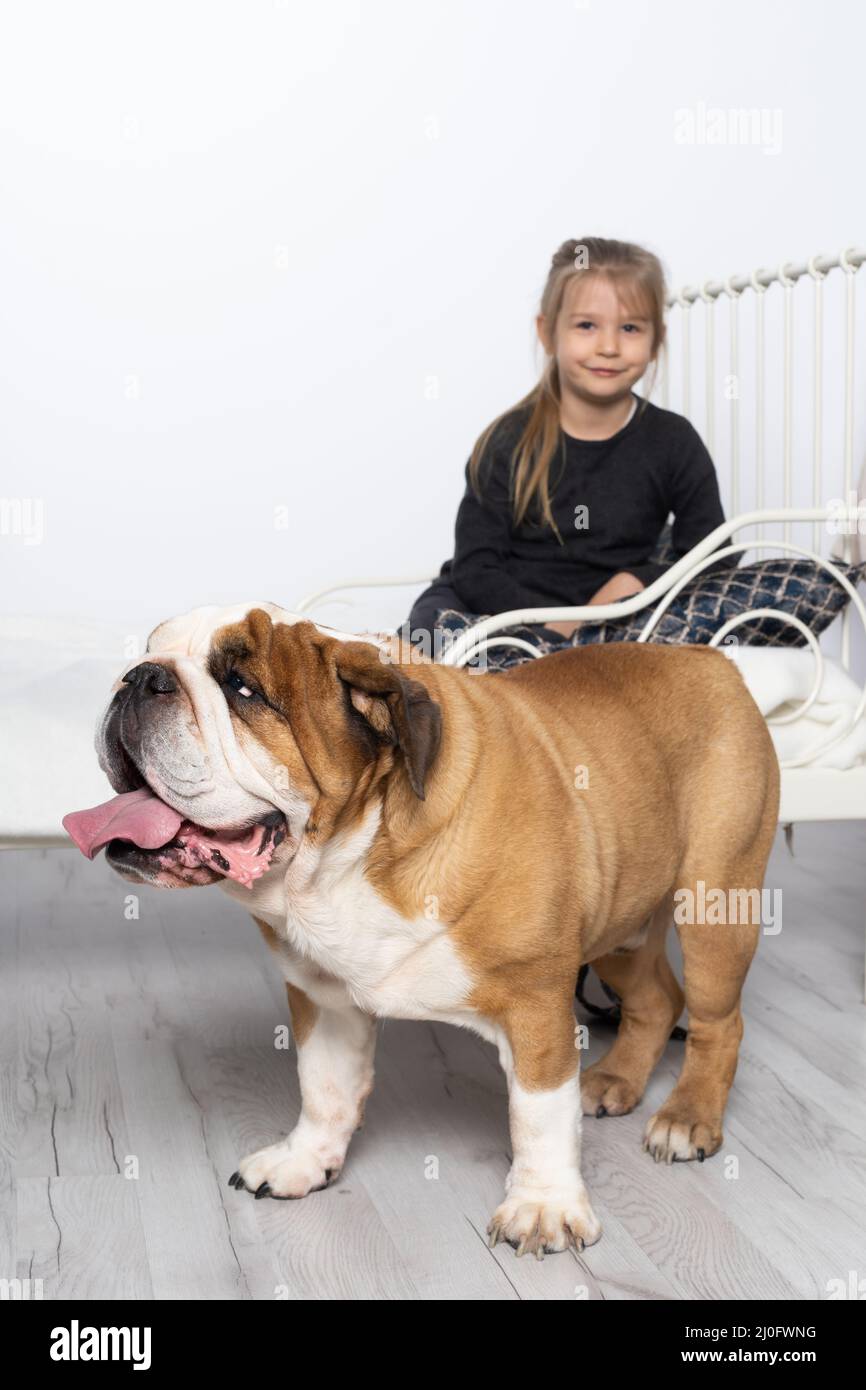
(239,732)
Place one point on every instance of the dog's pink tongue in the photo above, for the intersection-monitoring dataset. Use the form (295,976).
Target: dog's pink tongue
(137,816)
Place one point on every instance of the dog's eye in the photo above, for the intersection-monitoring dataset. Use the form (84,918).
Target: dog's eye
(236,681)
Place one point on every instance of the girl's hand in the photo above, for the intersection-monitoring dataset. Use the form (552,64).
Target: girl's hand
(564,629)
(622,585)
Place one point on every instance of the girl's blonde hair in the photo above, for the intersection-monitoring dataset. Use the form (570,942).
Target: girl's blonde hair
(639,281)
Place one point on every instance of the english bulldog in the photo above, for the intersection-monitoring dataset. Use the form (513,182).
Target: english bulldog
(420,841)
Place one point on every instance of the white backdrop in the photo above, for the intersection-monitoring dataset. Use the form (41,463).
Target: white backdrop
(270,255)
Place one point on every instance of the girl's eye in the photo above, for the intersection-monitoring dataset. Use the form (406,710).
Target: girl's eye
(584,323)
(236,681)
(632,325)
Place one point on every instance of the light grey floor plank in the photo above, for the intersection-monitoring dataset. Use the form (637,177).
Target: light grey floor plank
(82,1236)
(332,1244)
(137,1065)
(433,1244)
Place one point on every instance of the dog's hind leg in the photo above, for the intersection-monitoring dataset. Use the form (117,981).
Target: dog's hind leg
(651,1003)
(717,952)
(730,804)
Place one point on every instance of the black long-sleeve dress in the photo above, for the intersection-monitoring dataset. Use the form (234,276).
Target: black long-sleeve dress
(610,499)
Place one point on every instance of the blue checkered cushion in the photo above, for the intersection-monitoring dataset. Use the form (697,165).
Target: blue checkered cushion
(794,585)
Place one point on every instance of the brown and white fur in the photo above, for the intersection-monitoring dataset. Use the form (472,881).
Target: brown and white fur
(446,858)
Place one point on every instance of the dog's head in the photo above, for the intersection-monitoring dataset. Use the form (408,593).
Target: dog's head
(242,730)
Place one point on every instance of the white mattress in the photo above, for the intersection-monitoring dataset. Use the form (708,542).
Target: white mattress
(780,680)
(55,679)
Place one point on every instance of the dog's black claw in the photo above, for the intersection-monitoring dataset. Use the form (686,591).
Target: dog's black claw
(263,1191)
(701,1155)
(329,1173)
(599,1112)
(236,1180)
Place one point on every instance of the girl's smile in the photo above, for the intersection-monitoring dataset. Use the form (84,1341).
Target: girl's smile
(597,336)
(602,347)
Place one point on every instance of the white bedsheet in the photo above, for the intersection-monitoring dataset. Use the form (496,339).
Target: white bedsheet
(779,679)
(55,679)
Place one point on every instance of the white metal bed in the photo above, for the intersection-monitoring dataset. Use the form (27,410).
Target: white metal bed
(793,397)
(798,408)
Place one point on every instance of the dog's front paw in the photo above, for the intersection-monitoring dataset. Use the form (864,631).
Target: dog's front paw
(544,1221)
(283,1170)
(673,1135)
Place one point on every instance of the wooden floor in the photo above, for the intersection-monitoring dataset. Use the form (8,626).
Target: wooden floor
(137,1065)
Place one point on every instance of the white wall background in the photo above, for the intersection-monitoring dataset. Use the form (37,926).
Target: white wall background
(268,254)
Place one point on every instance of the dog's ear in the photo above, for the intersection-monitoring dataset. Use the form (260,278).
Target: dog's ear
(397,709)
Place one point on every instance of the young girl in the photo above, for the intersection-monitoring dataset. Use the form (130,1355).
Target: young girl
(567,492)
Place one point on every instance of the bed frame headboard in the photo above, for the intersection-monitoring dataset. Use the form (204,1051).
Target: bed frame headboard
(774,393)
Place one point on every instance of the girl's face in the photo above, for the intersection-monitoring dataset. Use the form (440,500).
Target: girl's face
(600,348)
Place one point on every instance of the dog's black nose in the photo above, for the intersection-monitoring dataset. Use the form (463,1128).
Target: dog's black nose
(150,678)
